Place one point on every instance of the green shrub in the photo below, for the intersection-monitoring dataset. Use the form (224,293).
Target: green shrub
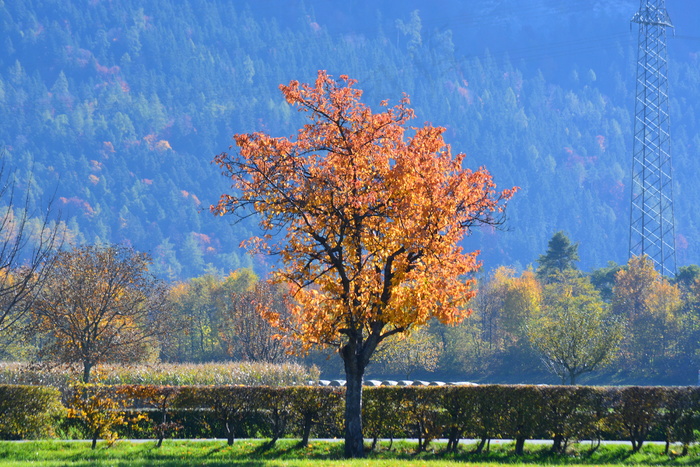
(522,412)
(484,412)
(158,400)
(423,411)
(569,412)
(28,411)
(491,416)
(461,410)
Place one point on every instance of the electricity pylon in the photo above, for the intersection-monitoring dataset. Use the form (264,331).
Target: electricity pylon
(652,230)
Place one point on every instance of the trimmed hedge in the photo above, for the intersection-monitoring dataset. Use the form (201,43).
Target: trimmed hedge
(521,412)
(232,412)
(28,412)
(485,412)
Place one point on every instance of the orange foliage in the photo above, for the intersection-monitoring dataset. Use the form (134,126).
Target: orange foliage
(373,214)
(157,145)
(107,149)
(162,146)
(81,203)
(103,70)
(151,140)
(123,85)
(651,306)
(203,239)
(601,142)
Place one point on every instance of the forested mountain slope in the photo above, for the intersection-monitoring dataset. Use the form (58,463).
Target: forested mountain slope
(118,108)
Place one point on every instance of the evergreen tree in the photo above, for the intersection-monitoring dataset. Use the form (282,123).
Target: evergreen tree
(561,256)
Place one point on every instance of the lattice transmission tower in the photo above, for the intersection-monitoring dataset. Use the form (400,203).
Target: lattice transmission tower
(652,230)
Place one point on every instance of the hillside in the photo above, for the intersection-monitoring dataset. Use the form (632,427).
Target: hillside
(118,109)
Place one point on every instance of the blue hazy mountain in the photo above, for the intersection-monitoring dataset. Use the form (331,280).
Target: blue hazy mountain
(117,108)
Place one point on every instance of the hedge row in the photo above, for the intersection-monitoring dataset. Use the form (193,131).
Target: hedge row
(560,413)
(29,411)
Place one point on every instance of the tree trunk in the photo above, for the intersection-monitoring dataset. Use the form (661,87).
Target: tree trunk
(161,431)
(374,443)
(480,447)
(640,442)
(519,445)
(354,441)
(635,445)
(419,434)
(229,434)
(306,430)
(278,431)
(87,367)
(356,354)
(453,439)
(558,444)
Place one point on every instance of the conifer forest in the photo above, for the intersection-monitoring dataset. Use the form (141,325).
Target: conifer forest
(113,111)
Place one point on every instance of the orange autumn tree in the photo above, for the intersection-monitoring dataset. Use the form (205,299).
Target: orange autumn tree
(372,213)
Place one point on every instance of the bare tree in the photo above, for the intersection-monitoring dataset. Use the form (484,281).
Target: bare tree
(27,242)
(253,338)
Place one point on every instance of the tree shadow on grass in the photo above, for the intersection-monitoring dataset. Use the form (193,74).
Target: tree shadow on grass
(543,455)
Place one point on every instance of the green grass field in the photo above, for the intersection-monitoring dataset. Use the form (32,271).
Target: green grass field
(285,453)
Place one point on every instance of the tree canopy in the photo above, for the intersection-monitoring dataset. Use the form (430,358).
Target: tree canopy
(574,330)
(101,305)
(561,255)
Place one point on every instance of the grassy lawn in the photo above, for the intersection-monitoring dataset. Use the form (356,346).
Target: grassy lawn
(285,453)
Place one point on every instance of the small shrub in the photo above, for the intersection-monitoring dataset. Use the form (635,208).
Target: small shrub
(101,409)
(159,400)
(382,413)
(320,407)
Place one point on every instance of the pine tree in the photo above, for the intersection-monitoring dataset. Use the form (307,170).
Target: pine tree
(561,256)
